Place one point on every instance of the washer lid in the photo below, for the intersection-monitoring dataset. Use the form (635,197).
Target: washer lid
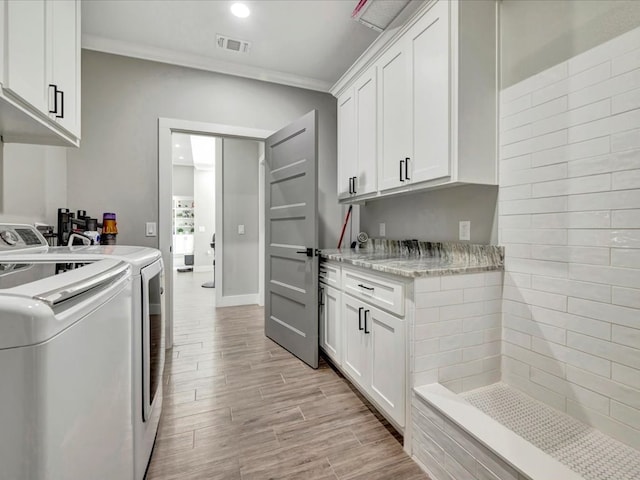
(34,312)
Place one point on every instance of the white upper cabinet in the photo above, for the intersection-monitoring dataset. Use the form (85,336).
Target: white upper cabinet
(25,67)
(357,138)
(437,90)
(40,91)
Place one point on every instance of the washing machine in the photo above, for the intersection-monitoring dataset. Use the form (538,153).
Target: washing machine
(147,349)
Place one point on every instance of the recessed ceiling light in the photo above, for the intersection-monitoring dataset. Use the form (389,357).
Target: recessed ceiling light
(240,10)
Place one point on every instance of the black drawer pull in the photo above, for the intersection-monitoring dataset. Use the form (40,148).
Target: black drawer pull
(365,287)
(360,318)
(365,321)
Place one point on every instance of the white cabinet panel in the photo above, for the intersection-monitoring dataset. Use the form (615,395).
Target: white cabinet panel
(387,361)
(347,145)
(330,324)
(355,360)
(431,80)
(373,289)
(366,106)
(395,112)
(25,76)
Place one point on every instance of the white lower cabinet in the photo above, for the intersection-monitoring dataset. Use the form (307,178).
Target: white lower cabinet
(330,328)
(367,343)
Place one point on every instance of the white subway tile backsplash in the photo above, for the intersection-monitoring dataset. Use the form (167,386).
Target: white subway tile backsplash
(573,288)
(616,47)
(568,355)
(573,83)
(552,205)
(570,118)
(438,329)
(537,391)
(628,297)
(460,341)
(572,186)
(436,299)
(626,336)
(516,307)
(519,250)
(426,377)
(534,359)
(437,360)
(522,280)
(542,236)
(536,297)
(481,351)
(589,238)
(627,239)
(596,219)
(493,279)
(534,114)
(536,144)
(625,180)
(622,277)
(454,372)
(581,395)
(625,218)
(587,131)
(626,375)
(510,365)
(625,257)
(515,193)
(518,134)
(601,348)
(462,281)
(624,141)
(624,63)
(609,88)
(575,323)
(606,312)
(537,267)
(516,337)
(601,201)
(427,315)
(462,310)
(492,335)
(515,106)
(622,393)
(427,284)
(484,322)
(515,163)
(478,294)
(426,347)
(627,415)
(574,254)
(535,329)
(574,151)
(626,101)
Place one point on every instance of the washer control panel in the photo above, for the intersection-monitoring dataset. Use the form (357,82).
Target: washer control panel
(20,237)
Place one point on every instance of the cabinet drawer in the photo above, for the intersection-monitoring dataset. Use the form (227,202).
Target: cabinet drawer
(377,291)
(329,274)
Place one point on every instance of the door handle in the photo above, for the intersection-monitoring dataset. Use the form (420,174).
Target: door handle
(365,321)
(360,318)
(406,168)
(308,252)
(401,164)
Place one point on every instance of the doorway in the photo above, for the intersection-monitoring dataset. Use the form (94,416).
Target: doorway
(225,295)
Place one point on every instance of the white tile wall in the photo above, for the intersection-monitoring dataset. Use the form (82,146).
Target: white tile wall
(462,314)
(570,223)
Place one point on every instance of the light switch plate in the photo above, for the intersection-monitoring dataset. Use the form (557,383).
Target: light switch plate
(465,230)
(201,228)
(383,230)
(150,229)
(240,229)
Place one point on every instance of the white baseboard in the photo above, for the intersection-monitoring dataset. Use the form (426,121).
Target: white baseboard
(236,300)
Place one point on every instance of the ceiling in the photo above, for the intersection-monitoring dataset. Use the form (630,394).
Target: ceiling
(305,43)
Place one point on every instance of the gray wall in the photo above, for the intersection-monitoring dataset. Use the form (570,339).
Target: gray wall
(34,183)
(240,206)
(116,167)
(434,216)
(204,185)
(182,181)
(538,34)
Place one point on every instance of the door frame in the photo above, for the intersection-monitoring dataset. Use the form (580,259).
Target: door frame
(167,126)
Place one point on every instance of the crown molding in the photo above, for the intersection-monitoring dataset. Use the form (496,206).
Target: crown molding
(199,62)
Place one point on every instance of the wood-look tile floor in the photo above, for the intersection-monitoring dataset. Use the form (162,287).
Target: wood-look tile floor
(238,406)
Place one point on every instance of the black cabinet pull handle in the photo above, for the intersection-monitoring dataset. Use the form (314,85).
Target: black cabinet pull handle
(365,321)
(55,98)
(360,318)
(354,184)
(61,115)
(365,287)
(350,185)
(308,252)
(406,168)
(401,164)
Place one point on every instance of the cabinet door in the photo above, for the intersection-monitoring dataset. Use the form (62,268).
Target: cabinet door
(347,161)
(395,116)
(387,378)
(355,359)
(430,69)
(366,148)
(330,334)
(25,76)
(63,61)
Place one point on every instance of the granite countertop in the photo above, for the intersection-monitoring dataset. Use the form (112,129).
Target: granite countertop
(412,258)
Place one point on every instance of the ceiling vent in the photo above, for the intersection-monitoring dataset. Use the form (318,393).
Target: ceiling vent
(233,45)
(378,14)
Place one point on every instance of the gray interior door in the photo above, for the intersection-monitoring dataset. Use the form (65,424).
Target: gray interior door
(291,235)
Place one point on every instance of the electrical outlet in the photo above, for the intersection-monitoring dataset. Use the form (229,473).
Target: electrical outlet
(150,229)
(240,229)
(465,230)
(383,230)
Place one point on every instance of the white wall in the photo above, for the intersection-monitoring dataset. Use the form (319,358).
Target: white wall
(570,223)
(240,207)
(204,182)
(122,99)
(34,183)
(183,179)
